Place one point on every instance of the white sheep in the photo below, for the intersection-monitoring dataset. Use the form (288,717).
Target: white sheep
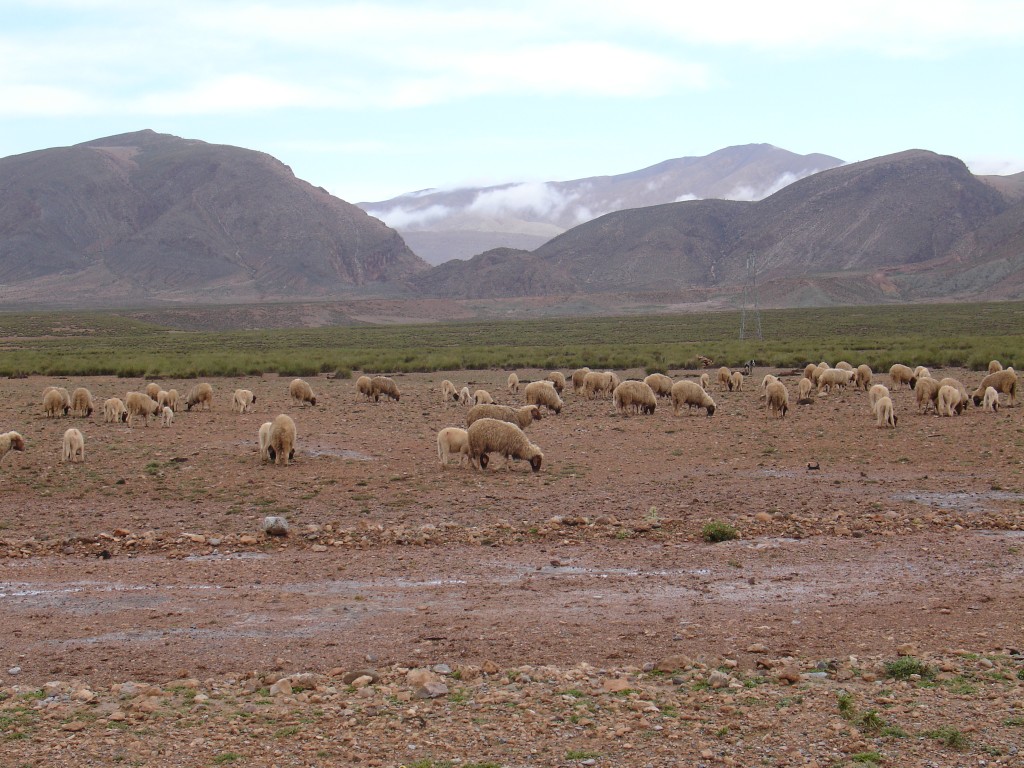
(452,440)
(691,394)
(598,382)
(465,397)
(705,381)
(167,418)
(364,386)
(834,378)
(73,448)
(242,401)
(1001,381)
(965,398)
(301,393)
(809,370)
(577,378)
(382,385)
(842,365)
(660,384)
(900,375)
(994,366)
(885,416)
(200,395)
(54,404)
(81,402)
(862,377)
(494,436)
(521,417)
(776,399)
(990,402)
(11,441)
(264,442)
(635,396)
(926,393)
(948,401)
(819,369)
(141,404)
(876,393)
(736,381)
(768,379)
(482,397)
(543,393)
(724,377)
(168,399)
(513,383)
(153,390)
(558,379)
(449,393)
(921,372)
(281,447)
(804,388)
(114,410)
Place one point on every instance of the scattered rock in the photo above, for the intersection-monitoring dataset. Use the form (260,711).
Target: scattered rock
(431,690)
(274,525)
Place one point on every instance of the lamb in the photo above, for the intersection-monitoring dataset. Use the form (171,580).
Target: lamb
(11,441)
(1000,381)
(53,403)
(167,417)
(464,396)
(965,398)
(281,447)
(991,401)
(577,378)
(494,436)
(452,440)
(73,449)
(834,378)
(521,417)
(900,375)
(81,402)
(482,397)
(382,385)
(558,379)
(705,381)
(114,410)
(543,393)
(948,401)
(688,393)
(448,392)
(635,396)
(804,388)
(776,399)
(724,377)
(264,442)
(876,393)
(302,393)
(153,390)
(364,386)
(200,395)
(169,399)
(926,393)
(242,401)
(660,384)
(884,414)
(513,383)
(862,377)
(141,404)
(994,366)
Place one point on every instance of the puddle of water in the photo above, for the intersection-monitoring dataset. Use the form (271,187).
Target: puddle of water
(229,556)
(962,501)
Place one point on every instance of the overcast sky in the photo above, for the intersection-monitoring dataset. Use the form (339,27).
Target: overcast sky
(373,99)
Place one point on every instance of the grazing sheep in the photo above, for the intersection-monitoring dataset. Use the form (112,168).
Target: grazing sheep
(11,441)
(494,436)
(141,404)
(521,417)
(302,393)
(153,390)
(449,393)
(452,440)
(282,439)
(73,449)
(513,383)
(834,378)
(819,369)
(768,379)
(809,370)
(705,381)
(465,396)
(862,377)
(482,397)
(921,372)
(81,402)
(948,401)
(994,366)
(264,442)
(926,394)
(991,401)
(597,383)
(876,393)
(635,396)
(200,395)
(53,403)
(382,385)
(660,384)
(577,378)
(884,414)
(959,387)
(167,416)
(689,393)
(1000,381)
(558,379)
(169,399)
(242,401)
(114,410)
(776,399)
(543,393)
(364,386)
(723,377)
(842,365)
(900,375)
(804,388)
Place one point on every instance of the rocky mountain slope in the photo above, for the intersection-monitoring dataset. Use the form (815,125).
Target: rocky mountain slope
(146,216)
(444,224)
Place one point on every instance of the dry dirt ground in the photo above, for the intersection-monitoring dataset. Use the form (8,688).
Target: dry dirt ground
(871,612)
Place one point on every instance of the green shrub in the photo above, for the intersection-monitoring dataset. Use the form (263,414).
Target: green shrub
(905,666)
(717,531)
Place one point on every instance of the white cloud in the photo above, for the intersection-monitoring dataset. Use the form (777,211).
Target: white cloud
(687,197)
(748,193)
(538,197)
(399,217)
(231,93)
(996,166)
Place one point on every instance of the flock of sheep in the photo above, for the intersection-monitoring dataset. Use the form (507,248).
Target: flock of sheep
(491,428)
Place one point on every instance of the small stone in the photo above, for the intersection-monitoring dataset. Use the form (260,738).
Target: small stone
(247,539)
(362,681)
(442,669)
(489,668)
(74,726)
(789,675)
(674,662)
(757,648)
(195,538)
(14,671)
(116,716)
(274,525)
(431,690)
(349,678)
(281,688)
(906,649)
(419,677)
(763,517)
(319,548)
(615,684)
(718,679)
(83,695)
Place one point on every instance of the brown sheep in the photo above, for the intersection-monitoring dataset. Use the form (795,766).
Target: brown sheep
(382,385)
(660,384)
(776,399)
(11,441)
